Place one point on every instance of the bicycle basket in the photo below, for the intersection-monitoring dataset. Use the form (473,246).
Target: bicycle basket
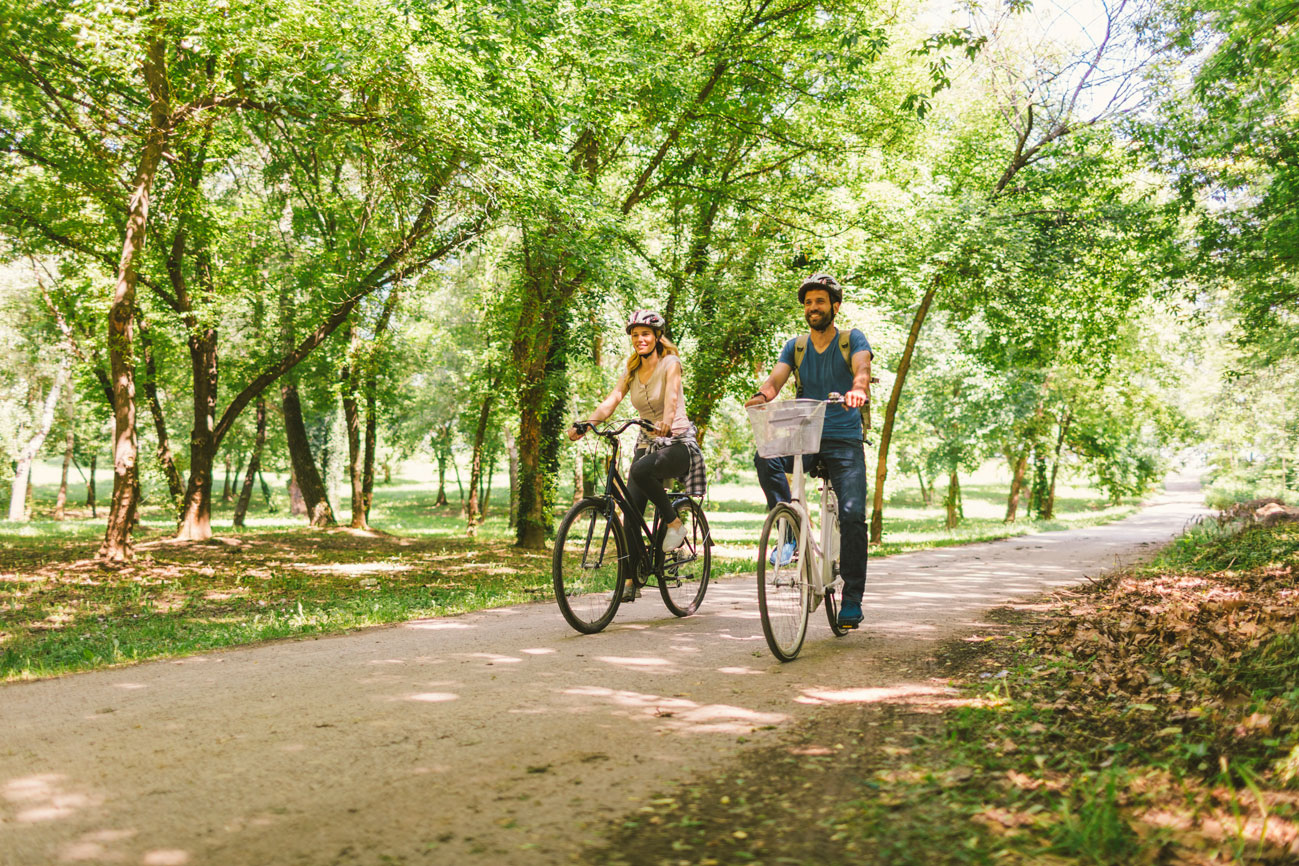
(788,427)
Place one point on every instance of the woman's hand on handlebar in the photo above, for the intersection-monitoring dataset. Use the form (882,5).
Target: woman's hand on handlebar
(578,430)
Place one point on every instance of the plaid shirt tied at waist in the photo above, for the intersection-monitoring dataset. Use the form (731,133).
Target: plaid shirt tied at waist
(695,481)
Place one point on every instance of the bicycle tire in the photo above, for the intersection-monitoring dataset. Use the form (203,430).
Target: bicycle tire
(588,576)
(832,598)
(783,590)
(684,578)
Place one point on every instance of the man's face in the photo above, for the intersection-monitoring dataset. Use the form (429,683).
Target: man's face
(818,310)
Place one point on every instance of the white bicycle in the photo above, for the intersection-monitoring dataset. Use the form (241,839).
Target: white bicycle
(791,587)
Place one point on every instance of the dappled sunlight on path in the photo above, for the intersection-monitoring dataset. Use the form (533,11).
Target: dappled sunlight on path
(487,737)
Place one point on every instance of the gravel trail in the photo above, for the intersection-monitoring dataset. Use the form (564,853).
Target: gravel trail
(500,736)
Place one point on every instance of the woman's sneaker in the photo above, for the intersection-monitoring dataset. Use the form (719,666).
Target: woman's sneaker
(673,536)
(850,614)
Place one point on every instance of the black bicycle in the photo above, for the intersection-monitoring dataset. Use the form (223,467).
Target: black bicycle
(592,568)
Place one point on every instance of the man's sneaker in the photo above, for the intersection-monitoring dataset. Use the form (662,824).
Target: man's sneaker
(673,536)
(850,614)
(630,591)
(782,555)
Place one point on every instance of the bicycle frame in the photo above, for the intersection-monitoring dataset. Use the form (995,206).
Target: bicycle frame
(816,555)
(615,491)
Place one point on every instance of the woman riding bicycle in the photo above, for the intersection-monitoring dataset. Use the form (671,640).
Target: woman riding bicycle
(653,382)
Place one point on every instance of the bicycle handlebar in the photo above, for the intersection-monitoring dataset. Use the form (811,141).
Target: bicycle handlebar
(610,432)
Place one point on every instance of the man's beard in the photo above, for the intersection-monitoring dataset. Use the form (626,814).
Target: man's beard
(829,320)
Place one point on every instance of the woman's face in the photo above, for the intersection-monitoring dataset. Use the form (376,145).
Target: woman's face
(643,340)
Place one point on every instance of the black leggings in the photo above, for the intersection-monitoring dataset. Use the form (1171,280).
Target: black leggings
(646,485)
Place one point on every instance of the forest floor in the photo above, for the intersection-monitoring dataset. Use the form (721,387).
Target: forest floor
(501,736)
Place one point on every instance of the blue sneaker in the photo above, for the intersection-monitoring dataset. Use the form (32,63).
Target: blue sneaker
(785,553)
(850,614)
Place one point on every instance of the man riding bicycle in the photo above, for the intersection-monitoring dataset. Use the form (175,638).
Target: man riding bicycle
(826,361)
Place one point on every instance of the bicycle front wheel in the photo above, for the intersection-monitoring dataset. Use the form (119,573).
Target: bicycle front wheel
(588,565)
(685,570)
(782,584)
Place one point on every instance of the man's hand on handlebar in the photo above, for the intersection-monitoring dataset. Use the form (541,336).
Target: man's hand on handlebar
(856,398)
(578,430)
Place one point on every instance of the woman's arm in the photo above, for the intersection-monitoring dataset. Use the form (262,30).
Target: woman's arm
(672,392)
(605,409)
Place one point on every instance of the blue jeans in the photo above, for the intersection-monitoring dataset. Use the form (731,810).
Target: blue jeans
(845,463)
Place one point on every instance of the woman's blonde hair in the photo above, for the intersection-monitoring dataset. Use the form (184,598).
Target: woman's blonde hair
(664,346)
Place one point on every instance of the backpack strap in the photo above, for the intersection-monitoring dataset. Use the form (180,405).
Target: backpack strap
(800,349)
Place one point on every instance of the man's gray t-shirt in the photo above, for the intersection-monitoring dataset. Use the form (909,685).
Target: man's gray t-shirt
(823,372)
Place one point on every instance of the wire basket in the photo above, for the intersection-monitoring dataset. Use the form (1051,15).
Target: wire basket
(788,427)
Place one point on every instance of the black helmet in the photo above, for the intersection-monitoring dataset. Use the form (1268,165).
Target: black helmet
(824,282)
(647,318)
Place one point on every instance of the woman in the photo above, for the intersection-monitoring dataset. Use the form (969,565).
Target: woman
(653,381)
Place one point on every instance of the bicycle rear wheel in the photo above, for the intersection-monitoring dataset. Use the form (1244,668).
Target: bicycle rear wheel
(684,579)
(782,586)
(588,565)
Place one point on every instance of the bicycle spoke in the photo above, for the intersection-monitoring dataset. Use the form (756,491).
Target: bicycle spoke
(683,590)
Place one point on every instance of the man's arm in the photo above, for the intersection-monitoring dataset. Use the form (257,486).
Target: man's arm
(771,387)
(861,381)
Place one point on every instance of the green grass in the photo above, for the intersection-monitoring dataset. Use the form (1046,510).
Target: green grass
(279,579)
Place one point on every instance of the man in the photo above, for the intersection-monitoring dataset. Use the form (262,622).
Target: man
(822,369)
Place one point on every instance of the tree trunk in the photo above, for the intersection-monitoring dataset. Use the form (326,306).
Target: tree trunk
(175,485)
(226,495)
(890,413)
(90,486)
(442,480)
(953,500)
(352,421)
(239,471)
(541,422)
(196,521)
(1048,512)
(487,489)
(371,441)
(578,477)
(304,467)
(926,493)
(455,467)
(512,452)
(355,459)
(254,465)
(472,515)
(60,504)
(297,505)
(1016,485)
(116,549)
(22,475)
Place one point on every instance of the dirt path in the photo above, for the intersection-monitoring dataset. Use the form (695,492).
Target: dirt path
(494,737)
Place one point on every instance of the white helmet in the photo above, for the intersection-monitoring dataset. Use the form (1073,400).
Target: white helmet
(646,318)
